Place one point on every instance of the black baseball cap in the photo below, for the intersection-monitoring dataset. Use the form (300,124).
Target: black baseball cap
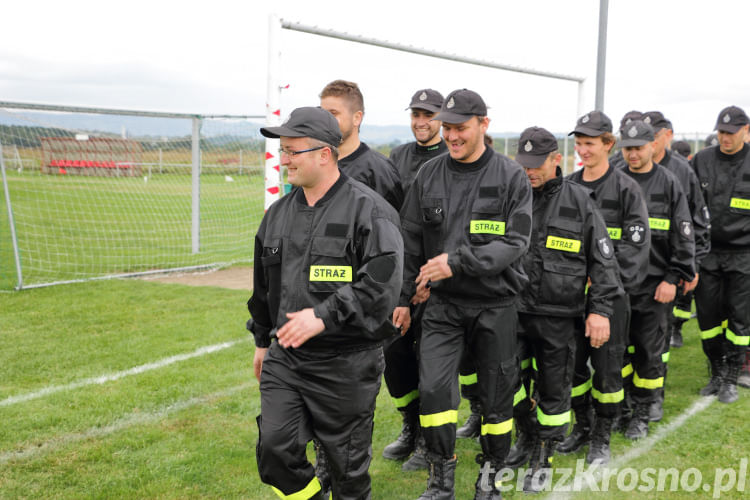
(460,105)
(427,99)
(637,133)
(534,147)
(731,119)
(656,120)
(682,147)
(629,117)
(711,140)
(593,124)
(314,122)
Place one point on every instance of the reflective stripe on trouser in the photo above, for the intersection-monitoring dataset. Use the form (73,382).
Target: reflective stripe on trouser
(330,396)
(490,336)
(648,336)
(682,305)
(604,388)
(401,373)
(304,494)
(722,301)
(552,341)
(467,377)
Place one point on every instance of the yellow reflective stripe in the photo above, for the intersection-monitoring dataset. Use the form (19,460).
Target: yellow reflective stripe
(438,419)
(631,349)
(533,364)
(308,491)
(519,396)
(647,383)
(608,397)
(615,233)
(331,273)
(737,339)
(405,400)
(580,390)
(740,203)
(713,332)
(564,244)
(487,227)
(627,370)
(525,363)
(725,323)
(497,429)
(665,357)
(470,379)
(660,224)
(552,420)
(679,313)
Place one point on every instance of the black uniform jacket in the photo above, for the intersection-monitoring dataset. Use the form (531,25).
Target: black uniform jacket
(409,157)
(621,204)
(569,244)
(681,168)
(376,171)
(725,181)
(343,257)
(480,214)
(672,255)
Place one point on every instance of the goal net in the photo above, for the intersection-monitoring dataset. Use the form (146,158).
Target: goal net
(95,196)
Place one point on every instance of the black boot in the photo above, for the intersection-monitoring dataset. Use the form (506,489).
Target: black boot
(718,371)
(625,414)
(473,424)
(728,390)
(322,469)
(539,476)
(581,433)
(521,451)
(656,410)
(404,443)
(599,447)
(418,460)
(744,379)
(485,487)
(440,484)
(676,334)
(638,426)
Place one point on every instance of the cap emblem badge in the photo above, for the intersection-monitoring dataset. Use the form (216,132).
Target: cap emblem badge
(727,118)
(528,146)
(632,132)
(585,119)
(423,96)
(647,119)
(451,103)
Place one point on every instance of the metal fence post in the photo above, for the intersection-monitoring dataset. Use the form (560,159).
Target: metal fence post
(196,177)
(11,222)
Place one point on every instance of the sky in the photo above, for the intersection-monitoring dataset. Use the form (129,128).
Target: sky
(686,58)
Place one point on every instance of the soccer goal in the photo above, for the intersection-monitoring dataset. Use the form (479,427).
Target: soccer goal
(92,194)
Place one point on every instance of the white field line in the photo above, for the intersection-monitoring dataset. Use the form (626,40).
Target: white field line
(202,351)
(130,420)
(642,446)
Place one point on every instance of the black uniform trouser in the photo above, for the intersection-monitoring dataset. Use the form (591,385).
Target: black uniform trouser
(604,388)
(401,373)
(723,294)
(327,395)
(551,342)
(489,334)
(682,305)
(648,338)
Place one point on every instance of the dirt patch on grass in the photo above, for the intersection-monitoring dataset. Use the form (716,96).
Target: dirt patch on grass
(237,278)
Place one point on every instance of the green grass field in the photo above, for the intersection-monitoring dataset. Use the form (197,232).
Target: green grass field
(170,427)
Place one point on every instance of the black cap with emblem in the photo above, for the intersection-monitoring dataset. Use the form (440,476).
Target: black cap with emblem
(637,133)
(427,99)
(534,146)
(731,119)
(656,120)
(593,124)
(314,122)
(629,117)
(460,105)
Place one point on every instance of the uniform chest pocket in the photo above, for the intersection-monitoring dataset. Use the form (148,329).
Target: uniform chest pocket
(659,222)
(433,215)
(432,212)
(564,239)
(487,222)
(740,201)
(563,284)
(271,261)
(330,264)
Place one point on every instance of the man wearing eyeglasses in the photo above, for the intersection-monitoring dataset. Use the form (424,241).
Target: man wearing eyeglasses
(344,101)
(327,273)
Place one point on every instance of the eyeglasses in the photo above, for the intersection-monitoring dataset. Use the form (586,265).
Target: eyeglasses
(292,154)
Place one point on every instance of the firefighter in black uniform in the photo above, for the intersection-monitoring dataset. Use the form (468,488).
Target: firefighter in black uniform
(401,365)
(569,246)
(701,223)
(723,292)
(466,223)
(344,101)
(671,263)
(328,270)
(617,160)
(620,201)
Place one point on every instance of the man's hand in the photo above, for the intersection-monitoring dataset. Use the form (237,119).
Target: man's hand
(665,292)
(402,319)
(689,287)
(422,293)
(597,330)
(302,326)
(435,269)
(260,354)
